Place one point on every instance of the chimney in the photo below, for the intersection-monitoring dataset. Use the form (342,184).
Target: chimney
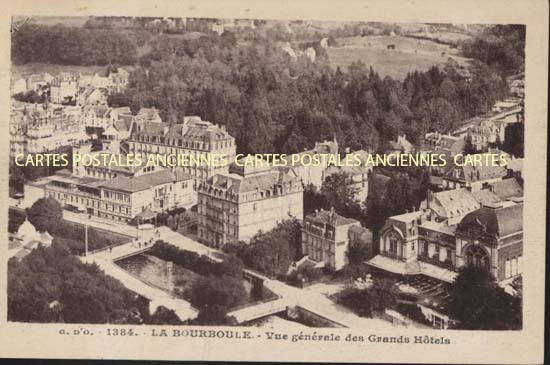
(428,198)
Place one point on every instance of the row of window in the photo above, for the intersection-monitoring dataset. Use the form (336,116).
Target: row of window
(91,203)
(182,142)
(116,196)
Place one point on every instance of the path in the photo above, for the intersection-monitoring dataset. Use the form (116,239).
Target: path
(157,297)
(313,299)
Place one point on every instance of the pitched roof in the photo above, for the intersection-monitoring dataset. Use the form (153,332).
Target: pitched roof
(485,197)
(146,181)
(496,221)
(123,124)
(193,130)
(330,217)
(455,203)
(507,188)
(475,173)
(264,181)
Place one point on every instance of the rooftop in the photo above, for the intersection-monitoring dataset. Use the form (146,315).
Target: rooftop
(146,181)
(330,217)
(498,221)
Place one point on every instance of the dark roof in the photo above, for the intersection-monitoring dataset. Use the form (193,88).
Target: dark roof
(475,173)
(144,182)
(507,188)
(496,221)
(199,131)
(256,182)
(331,217)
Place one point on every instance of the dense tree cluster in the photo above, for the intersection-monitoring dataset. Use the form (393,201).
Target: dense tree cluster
(271,252)
(72,45)
(202,265)
(405,189)
(45,213)
(514,139)
(500,46)
(51,285)
(269,101)
(370,301)
(479,303)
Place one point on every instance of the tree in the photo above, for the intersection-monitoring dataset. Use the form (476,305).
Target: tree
(477,302)
(45,213)
(313,199)
(164,316)
(271,252)
(215,315)
(371,301)
(341,194)
(224,291)
(51,285)
(514,139)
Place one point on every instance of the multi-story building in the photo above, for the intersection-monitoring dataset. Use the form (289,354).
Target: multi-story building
(472,177)
(235,206)
(119,80)
(326,237)
(97,116)
(123,198)
(422,243)
(63,88)
(204,141)
(54,133)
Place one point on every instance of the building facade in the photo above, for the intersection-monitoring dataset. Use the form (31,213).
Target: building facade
(326,237)
(235,206)
(123,198)
(203,140)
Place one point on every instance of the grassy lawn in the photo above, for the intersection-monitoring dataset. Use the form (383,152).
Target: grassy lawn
(73,235)
(409,54)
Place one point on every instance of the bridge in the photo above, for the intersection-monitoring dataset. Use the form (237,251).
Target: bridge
(255,311)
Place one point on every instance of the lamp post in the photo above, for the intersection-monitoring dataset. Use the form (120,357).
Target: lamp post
(86,236)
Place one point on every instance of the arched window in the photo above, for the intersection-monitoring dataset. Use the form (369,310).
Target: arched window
(393,244)
(477,256)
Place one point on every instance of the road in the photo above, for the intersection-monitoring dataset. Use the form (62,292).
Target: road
(157,297)
(313,298)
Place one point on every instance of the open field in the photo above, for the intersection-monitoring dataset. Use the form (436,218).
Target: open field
(409,54)
(447,37)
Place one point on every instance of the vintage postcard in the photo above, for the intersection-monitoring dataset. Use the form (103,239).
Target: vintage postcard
(357,181)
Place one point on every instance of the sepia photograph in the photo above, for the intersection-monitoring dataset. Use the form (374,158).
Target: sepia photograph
(272,175)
